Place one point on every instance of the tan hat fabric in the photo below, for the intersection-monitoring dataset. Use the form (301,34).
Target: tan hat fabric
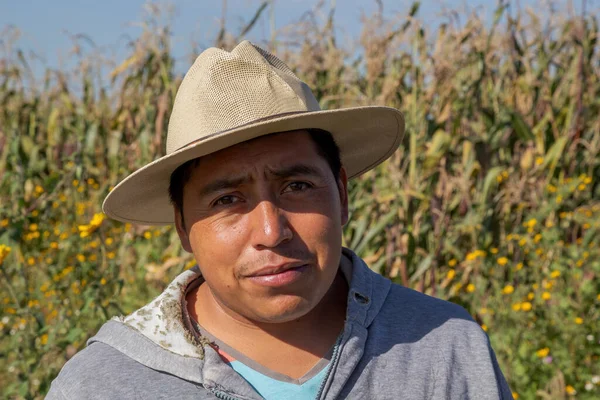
(230,97)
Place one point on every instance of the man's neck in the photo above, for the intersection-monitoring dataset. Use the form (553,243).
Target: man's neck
(291,348)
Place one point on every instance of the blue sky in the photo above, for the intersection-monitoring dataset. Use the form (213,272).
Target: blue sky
(46,25)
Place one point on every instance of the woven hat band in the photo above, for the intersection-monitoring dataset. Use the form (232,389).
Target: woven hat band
(225,90)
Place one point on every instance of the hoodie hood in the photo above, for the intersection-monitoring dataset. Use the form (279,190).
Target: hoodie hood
(160,335)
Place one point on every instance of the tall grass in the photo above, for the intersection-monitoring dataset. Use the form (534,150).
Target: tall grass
(490,202)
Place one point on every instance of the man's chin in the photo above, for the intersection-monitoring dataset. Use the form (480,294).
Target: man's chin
(282,314)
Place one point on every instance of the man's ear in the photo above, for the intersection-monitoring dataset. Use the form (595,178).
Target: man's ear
(343,190)
(179,225)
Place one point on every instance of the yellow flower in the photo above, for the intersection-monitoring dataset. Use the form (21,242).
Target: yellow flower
(537,238)
(549,224)
(546,296)
(581,187)
(4,223)
(570,390)
(502,261)
(587,180)
(54,245)
(108,241)
(519,266)
(530,296)
(148,235)
(494,250)
(80,258)
(526,306)
(44,339)
(539,160)
(110,255)
(450,275)
(483,311)
(541,353)
(39,189)
(484,327)
(91,181)
(551,188)
(452,262)
(586,226)
(86,230)
(4,252)
(508,289)
(31,261)
(470,288)
(531,223)
(555,274)
(559,199)
(103,281)
(75,182)
(522,242)
(579,320)
(516,306)
(515,395)
(33,227)
(586,254)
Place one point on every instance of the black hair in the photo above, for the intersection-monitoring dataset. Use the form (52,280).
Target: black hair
(326,148)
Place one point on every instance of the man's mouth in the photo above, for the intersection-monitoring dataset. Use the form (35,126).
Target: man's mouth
(279,275)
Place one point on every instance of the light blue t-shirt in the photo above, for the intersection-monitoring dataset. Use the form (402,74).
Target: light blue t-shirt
(271,388)
(270,384)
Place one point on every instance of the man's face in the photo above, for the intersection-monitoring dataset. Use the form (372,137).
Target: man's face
(264,221)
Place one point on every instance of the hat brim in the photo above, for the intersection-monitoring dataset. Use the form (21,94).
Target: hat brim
(366,137)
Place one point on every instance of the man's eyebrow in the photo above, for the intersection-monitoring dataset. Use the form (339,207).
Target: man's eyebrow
(222,184)
(294,170)
(281,173)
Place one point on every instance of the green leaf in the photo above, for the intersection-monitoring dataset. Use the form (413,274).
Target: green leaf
(423,266)
(521,127)
(376,230)
(490,181)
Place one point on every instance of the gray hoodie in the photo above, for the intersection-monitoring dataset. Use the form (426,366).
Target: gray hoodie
(397,344)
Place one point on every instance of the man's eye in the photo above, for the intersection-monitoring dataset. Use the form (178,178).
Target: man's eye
(226,200)
(297,186)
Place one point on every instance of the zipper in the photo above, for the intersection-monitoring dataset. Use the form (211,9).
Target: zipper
(223,395)
(334,358)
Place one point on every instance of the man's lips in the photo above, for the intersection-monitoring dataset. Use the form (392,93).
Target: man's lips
(278,276)
(275,269)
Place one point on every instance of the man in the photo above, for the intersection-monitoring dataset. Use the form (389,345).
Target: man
(255,181)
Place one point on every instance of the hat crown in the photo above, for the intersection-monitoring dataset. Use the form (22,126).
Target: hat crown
(223,90)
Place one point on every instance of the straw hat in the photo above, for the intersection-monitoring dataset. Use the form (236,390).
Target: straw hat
(230,97)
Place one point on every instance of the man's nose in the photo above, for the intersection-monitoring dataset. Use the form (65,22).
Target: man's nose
(271,226)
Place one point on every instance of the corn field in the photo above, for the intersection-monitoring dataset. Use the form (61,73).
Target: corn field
(491,201)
